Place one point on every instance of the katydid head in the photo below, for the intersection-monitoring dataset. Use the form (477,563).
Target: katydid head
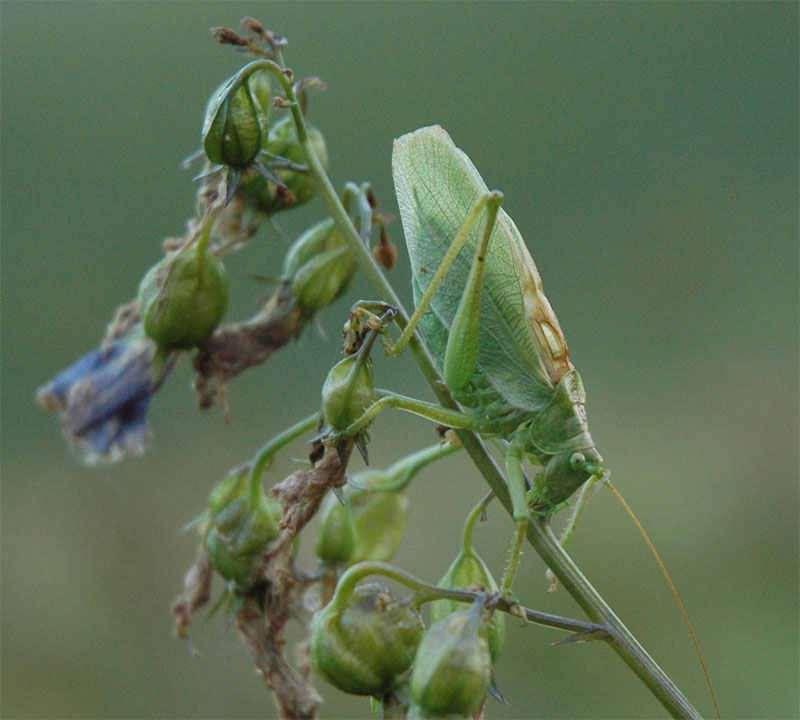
(563,474)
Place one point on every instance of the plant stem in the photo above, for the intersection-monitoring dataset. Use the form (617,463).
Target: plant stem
(264,457)
(622,641)
(539,534)
(425,592)
(472,518)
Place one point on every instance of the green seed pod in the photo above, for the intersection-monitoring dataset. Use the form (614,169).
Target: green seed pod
(311,243)
(235,126)
(380,519)
(319,266)
(238,533)
(453,667)
(469,569)
(282,141)
(349,389)
(360,647)
(323,279)
(336,539)
(259,85)
(183,298)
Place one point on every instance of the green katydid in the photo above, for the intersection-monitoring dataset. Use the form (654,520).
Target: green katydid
(490,328)
(493,334)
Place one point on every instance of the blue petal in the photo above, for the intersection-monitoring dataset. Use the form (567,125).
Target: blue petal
(125,377)
(104,398)
(119,435)
(60,385)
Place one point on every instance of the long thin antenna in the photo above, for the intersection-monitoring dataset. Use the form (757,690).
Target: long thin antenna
(671,587)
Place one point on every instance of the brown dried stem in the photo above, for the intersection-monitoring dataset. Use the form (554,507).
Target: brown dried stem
(262,620)
(238,346)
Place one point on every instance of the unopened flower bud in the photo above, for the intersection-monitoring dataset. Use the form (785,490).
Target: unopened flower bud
(349,389)
(380,519)
(183,298)
(360,646)
(238,533)
(336,538)
(235,126)
(453,667)
(469,569)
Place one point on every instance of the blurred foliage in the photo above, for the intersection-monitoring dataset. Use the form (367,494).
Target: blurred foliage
(649,155)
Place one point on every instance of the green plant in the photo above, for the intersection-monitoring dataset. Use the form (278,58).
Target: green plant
(538,408)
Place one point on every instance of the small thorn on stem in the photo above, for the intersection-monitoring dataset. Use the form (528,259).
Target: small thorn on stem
(517,610)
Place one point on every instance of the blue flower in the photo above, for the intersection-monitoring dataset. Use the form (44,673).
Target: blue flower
(104,397)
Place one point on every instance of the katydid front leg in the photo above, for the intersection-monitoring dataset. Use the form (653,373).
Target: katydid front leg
(515,479)
(462,345)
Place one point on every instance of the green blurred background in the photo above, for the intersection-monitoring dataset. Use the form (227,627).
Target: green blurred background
(648,153)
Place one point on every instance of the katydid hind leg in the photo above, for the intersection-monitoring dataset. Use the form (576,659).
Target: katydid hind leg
(461,354)
(473,216)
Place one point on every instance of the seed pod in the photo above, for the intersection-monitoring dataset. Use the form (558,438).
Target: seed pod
(362,646)
(349,389)
(380,519)
(336,538)
(235,126)
(311,243)
(282,141)
(453,667)
(319,265)
(237,533)
(469,569)
(323,279)
(183,298)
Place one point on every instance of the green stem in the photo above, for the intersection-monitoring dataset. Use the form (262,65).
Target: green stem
(202,241)
(397,476)
(538,532)
(622,640)
(472,518)
(263,458)
(425,592)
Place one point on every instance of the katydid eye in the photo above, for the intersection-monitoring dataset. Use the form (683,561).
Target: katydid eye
(577,461)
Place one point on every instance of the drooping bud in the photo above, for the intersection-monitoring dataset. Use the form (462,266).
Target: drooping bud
(361,646)
(319,265)
(236,120)
(349,389)
(183,298)
(453,667)
(282,141)
(380,519)
(469,569)
(238,532)
(336,538)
